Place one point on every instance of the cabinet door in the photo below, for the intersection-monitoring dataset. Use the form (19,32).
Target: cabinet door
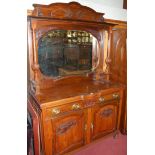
(68,132)
(105,119)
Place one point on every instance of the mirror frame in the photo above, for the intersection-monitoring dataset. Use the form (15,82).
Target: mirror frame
(67,16)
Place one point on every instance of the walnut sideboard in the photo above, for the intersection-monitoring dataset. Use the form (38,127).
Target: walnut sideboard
(73,116)
(72,100)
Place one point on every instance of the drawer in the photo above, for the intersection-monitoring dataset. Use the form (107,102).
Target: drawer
(62,109)
(108,97)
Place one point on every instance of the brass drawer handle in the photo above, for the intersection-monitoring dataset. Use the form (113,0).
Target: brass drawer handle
(75,107)
(55,111)
(115,96)
(101,99)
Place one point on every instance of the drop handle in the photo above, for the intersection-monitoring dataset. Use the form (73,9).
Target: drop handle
(75,107)
(55,111)
(115,96)
(101,99)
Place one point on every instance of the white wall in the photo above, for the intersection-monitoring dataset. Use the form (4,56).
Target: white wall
(111,8)
(110,3)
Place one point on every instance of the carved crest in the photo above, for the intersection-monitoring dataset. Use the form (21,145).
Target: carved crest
(72,11)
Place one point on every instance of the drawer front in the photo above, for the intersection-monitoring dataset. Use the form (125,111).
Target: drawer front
(103,98)
(63,109)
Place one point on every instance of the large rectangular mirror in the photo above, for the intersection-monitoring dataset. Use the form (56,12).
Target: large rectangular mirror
(65,52)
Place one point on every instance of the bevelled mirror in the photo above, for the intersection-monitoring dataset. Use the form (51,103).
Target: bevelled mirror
(66,52)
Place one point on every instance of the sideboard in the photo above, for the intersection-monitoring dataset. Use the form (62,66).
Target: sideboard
(71,98)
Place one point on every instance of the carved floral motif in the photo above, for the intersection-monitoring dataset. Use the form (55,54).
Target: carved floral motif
(72,10)
(65,126)
(106,113)
(89,103)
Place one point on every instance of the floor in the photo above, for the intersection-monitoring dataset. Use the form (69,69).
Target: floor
(106,146)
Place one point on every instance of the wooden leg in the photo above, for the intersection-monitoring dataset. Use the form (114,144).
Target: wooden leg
(116,134)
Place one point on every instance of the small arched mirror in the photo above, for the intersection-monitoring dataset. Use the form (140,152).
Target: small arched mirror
(65,52)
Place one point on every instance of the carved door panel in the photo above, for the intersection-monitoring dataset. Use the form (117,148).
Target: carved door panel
(68,132)
(105,119)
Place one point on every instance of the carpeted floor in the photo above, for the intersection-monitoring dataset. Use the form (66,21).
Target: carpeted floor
(106,146)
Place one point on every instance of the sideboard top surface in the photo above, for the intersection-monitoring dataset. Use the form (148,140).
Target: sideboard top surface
(83,88)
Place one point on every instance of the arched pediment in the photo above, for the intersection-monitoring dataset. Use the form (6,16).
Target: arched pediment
(70,11)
